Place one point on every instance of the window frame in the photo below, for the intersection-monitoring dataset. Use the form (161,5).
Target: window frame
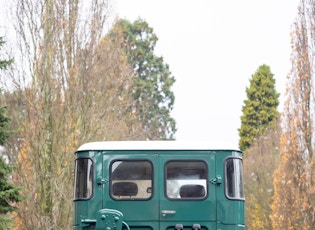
(226,184)
(131,160)
(187,198)
(90,176)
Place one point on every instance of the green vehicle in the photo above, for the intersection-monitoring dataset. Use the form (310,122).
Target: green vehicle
(152,185)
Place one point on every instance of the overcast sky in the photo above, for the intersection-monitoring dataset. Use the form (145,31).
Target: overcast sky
(213,48)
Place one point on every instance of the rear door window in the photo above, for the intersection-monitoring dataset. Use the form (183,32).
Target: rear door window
(131,179)
(186,179)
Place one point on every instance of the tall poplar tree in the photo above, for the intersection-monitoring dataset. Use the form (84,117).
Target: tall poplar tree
(154,98)
(293,204)
(9,193)
(260,107)
(68,86)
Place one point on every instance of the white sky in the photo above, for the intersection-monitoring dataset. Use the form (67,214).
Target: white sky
(213,48)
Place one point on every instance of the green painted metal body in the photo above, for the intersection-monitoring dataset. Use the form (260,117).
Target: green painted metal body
(101,210)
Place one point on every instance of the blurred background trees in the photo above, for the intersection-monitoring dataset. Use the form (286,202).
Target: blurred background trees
(260,162)
(71,83)
(154,99)
(259,138)
(74,80)
(287,148)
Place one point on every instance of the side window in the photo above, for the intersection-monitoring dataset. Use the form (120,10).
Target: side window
(234,185)
(186,179)
(131,179)
(83,182)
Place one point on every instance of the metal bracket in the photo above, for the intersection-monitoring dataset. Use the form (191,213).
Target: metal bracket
(217,180)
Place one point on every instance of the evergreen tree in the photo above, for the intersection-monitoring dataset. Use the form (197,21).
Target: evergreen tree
(260,107)
(153,80)
(4,63)
(9,193)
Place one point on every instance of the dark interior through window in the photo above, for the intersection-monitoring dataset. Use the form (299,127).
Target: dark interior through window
(83,185)
(131,179)
(234,178)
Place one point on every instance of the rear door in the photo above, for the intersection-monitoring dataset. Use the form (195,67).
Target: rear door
(132,188)
(187,196)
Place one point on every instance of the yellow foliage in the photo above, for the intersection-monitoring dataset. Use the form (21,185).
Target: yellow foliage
(294,197)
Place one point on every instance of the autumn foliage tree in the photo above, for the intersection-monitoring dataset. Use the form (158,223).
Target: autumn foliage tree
(68,86)
(261,159)
(260,107)
(294,181)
